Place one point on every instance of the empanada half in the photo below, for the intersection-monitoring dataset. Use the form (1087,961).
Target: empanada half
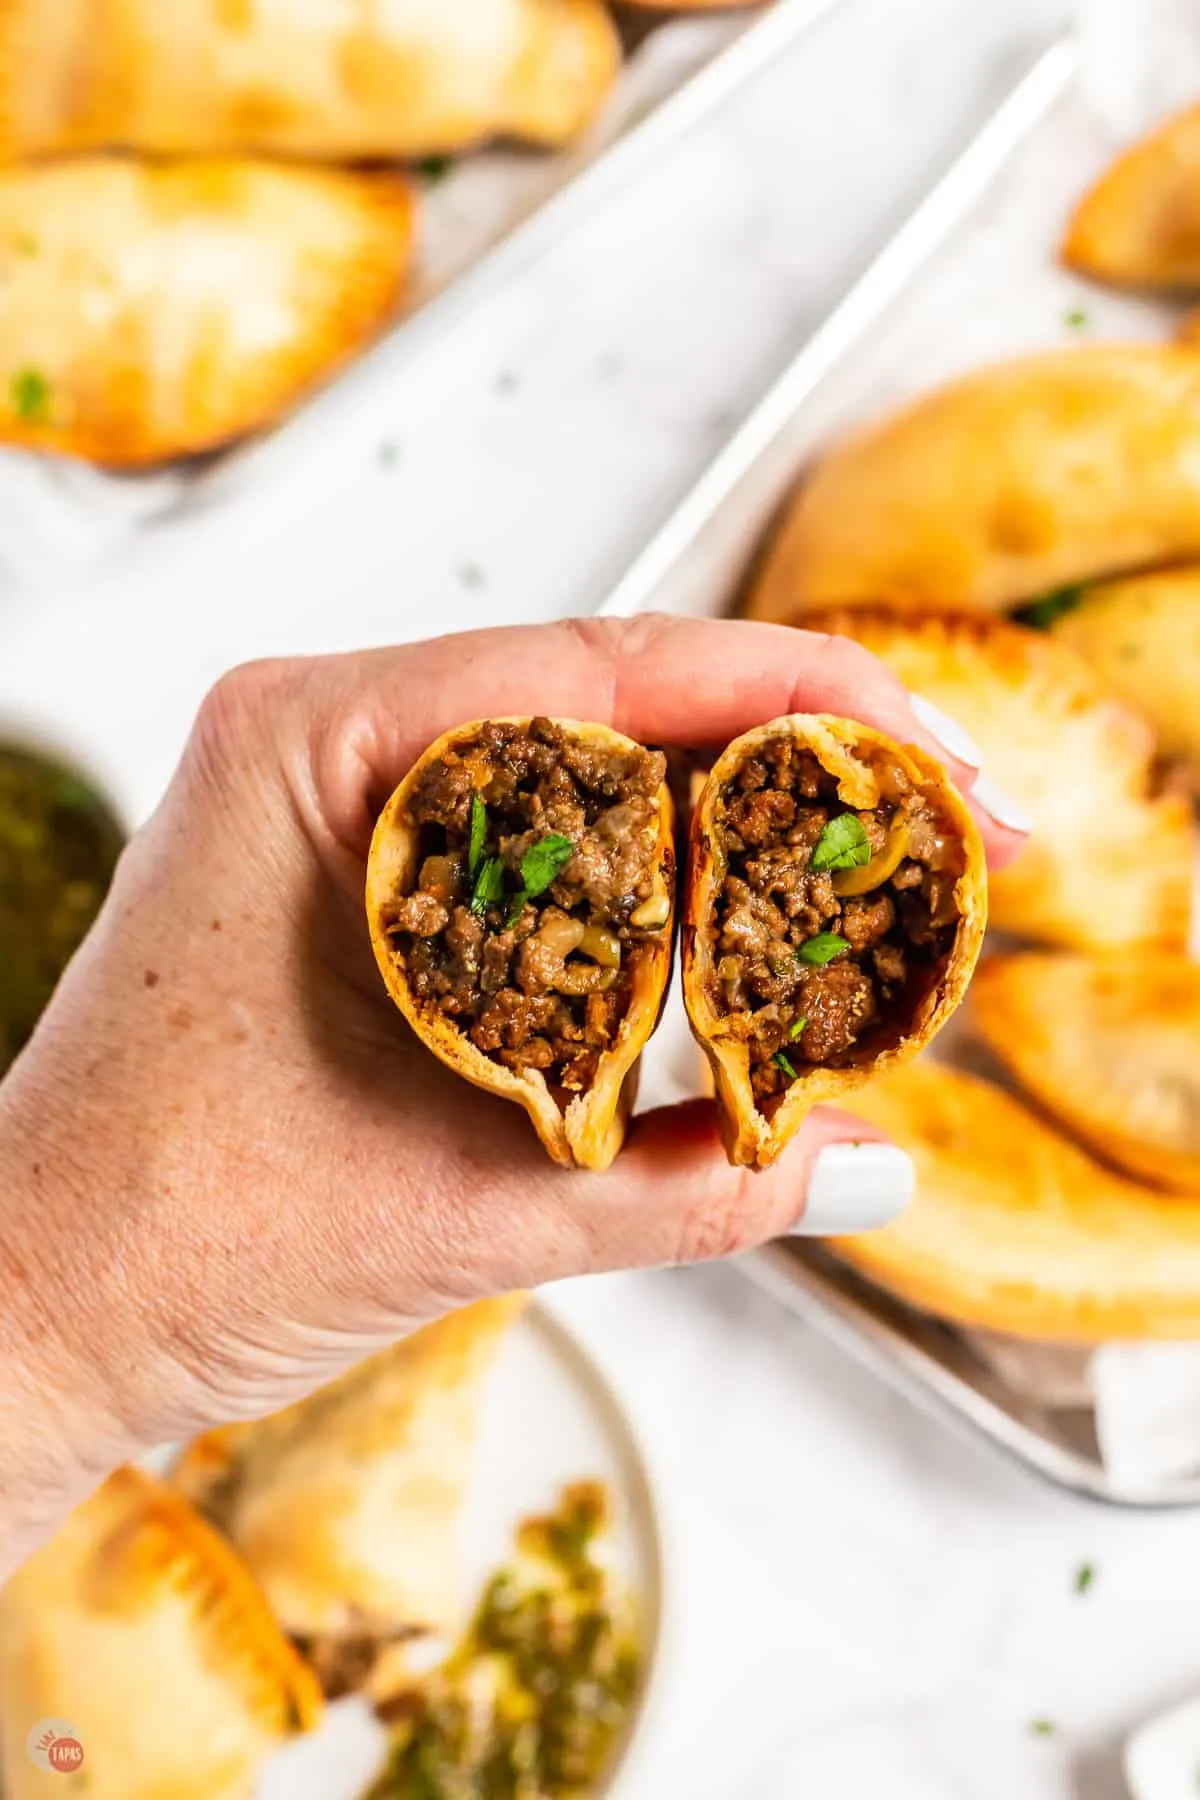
(318,79)
(1008,483)
(1110,860)
(138,1626)
(346,1507)
(1014,1229)
(1139,225)
(1111,1046)
(1142,637)
(150,312)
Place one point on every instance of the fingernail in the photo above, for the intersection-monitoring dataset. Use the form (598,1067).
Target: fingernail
(856,1187)
(1002,807)
(948,732)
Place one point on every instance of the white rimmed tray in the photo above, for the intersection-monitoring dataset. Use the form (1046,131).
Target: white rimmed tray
(972,276)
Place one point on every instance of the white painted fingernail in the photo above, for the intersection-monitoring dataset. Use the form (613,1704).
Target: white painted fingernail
(1002,807)
(856,1187)
(948,732)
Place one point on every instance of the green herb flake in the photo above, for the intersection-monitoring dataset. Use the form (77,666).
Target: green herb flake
(434,168)
(1076,317)
(479,825)
(822,949)
(489,886)
(1042,1728)
(30,395)
(843,844)
(544,861)
(781,1062)
(389,454)
(797,1028)
(1085,1575)
(1041,614)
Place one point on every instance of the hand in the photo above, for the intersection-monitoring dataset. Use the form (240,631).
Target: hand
(230,1170)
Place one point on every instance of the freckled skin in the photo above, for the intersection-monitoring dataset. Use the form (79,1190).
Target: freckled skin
(249,1174)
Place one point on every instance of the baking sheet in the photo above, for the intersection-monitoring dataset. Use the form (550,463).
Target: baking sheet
(971,278)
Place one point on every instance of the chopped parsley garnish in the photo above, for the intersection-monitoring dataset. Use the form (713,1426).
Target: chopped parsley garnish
(435,168)
(544,861)
(389,453)
(842,845)
(471,575)
(797,1028)
(1076,317)
(1042,1727)
(489,886)
(1085,1575)
(30,395)
(478,838)
(781,1061)
(823,948)
(1042,614)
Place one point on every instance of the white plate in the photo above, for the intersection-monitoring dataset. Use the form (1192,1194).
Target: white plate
(1162,1760)
(550,1417)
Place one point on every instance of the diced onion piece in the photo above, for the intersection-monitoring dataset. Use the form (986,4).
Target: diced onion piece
(604,947)
(881,868)
(654,912)
(560,933)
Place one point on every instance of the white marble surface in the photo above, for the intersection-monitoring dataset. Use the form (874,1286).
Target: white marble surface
(873,1607)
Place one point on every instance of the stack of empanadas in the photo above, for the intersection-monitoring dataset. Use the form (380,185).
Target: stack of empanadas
(152,309)
(183,1630)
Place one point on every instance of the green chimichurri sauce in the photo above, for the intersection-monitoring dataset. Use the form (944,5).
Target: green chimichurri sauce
(531,1704)
(59,845)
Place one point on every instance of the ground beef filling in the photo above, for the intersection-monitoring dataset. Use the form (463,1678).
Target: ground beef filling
(539,888)
(831,923)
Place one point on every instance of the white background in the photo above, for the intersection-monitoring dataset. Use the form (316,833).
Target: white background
(874,1607)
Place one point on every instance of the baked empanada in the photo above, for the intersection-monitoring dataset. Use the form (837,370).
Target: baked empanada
(346,1506)
(1111,1046)
(1142,636)
(1110,860)
(1139,226)
(1004,485)
(151,312)
(521,899)
(336,79)
(836,898)
(1014,1229)
(137,1626)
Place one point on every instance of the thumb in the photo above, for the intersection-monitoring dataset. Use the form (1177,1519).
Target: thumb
(673,1198)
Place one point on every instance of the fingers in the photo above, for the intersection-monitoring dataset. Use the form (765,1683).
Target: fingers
(661,680)
(673,1198)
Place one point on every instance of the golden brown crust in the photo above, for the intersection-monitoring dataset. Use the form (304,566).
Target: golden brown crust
(1000,487)
(336,80)
(590,1132)
(1110,860)
(1013,1229)
(1110,1046)
(137,1596)
(1142,637)
(1139,225)
(346,1507)
(843,748)
(162,311)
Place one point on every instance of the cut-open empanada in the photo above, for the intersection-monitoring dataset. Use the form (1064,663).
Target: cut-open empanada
(1142,636)
(336,79)
(1111,1046)
(1004,485)
(151,312)
(1014,1229)
(1139,225)
(138,1627)
(346,1506)
(1110,860)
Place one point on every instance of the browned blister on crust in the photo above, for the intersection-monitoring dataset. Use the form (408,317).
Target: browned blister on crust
(803,980)
(550,1002)
(139,1625)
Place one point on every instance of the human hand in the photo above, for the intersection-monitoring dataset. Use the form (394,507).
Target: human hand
(229,1168)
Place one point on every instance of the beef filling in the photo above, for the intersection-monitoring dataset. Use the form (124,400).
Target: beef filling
(831,923)
(538,891)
